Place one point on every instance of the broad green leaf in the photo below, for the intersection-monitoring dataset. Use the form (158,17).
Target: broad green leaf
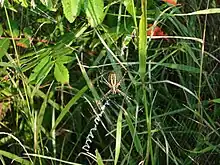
(61,73)
(65,59)
(41,70)
(1,29)
(94,11)
(118,138)
(71,9)
(4,44)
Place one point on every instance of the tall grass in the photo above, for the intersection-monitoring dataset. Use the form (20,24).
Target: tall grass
(53,103)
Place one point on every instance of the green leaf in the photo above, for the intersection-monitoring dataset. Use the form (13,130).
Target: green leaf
(23,3)
(99,158)
(41,70)
(9,6)
(142,46)
(15,158)
(69,105)
(201,12)
(65,59)
(216,100)
(137,142)
(4,44)
(61,73)
(94,11)
(1,29)
(15,28)
(24,43)
(28,32)
(181,67)
(118,138)
(129,7)
(49,4)
(71,9)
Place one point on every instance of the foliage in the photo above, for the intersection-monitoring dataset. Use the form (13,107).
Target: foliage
(162,106)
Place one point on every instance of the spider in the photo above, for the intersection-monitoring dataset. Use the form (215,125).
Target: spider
(113,85)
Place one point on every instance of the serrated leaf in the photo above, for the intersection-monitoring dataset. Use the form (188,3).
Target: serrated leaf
(71,9)
(4,44)
(61,73)
(94,11)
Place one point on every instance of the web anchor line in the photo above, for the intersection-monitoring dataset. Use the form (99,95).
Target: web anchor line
(90,136)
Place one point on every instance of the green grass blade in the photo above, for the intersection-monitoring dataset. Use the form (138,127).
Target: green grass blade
(118,138)
(142,50)
(15,158)
(137,142)
(201,12)
(69,105)
(88,81)
(99,158)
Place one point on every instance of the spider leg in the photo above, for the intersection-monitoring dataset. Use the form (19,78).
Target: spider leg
(107,93)
(123,94)
(118,84)
(107,83)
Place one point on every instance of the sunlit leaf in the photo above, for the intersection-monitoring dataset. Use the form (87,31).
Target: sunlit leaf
(23,3)
(129,6)
(201,12)
(71,9)
(61,73)
(49,4)
(94,11)
(41,70)
(65,59)
(118,138)
(99,158)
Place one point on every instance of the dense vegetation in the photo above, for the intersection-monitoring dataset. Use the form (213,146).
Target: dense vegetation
(109,82)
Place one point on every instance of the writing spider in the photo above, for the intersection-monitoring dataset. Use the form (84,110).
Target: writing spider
(114,84)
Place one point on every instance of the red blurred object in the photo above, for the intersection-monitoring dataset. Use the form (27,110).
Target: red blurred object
(172,2)
(157,31)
